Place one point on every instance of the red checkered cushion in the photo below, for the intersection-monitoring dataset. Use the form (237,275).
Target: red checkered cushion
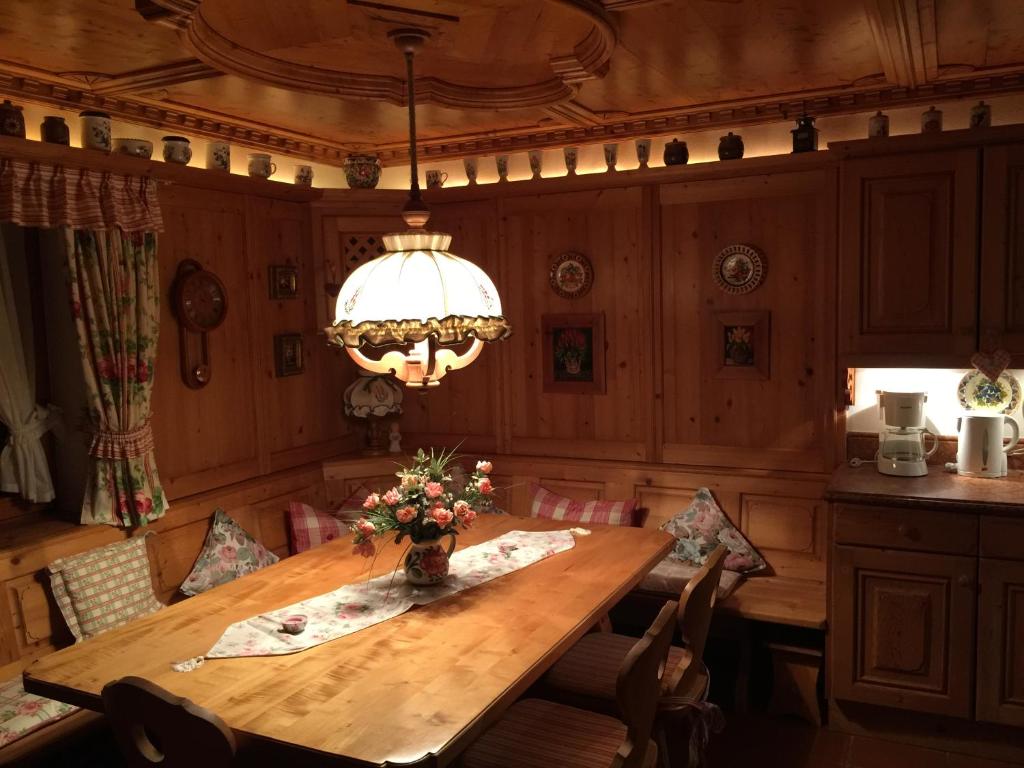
(545,503)
(309,527)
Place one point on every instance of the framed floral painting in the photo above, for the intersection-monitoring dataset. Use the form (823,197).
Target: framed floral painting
(739,344)
(574,353)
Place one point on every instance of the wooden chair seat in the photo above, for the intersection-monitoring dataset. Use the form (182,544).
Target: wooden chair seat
(585,676)
(535,733)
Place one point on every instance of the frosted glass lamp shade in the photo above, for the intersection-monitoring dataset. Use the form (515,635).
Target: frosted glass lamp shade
(418,293)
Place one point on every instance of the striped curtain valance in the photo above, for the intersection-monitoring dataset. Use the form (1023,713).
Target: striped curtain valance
(36,194)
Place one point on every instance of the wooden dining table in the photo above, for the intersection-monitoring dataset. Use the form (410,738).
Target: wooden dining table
(416,689)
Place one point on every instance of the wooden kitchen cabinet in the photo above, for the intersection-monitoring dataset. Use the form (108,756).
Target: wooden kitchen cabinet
(1002,251)
(903,629)
(1000,697)
(908,258)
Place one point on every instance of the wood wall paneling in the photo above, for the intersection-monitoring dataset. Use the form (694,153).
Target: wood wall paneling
(786,421)
(611,228)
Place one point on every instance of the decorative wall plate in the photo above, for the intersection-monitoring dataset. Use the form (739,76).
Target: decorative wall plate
(571,275)
(738,269)
(977,392)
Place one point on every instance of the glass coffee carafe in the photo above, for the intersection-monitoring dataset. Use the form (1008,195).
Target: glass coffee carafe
(901,442)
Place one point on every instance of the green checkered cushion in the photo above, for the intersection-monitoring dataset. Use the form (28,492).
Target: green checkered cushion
(104,588)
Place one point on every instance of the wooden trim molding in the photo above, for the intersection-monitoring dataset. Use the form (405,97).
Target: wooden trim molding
(152,78)
(906,37)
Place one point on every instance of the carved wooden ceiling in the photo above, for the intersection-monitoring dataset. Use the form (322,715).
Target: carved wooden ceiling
(319,78)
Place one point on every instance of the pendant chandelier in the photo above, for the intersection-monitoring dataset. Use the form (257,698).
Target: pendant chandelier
(439,307)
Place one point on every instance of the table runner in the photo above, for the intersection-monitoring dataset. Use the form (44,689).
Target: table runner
(357,606)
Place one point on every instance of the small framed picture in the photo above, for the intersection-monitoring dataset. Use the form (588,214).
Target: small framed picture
(288,354)
(574,361)
(284,281)
(740,344)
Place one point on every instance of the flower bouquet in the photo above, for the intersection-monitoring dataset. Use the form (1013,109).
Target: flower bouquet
(425,506)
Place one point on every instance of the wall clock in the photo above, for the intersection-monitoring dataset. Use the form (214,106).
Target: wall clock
(738,269)
(200,304)
(571,275)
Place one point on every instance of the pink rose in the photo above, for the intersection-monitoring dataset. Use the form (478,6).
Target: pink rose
(143,504)
(122,503)
(228,553)
(29,707)
(409,481)
(365,548)
(469,518)
(365,527)
(442,516)
(406,514)
(371,501)
(433,490)
(106,368)
(484,466)
(460,508)
(392,497)
(142,372)
(484,484)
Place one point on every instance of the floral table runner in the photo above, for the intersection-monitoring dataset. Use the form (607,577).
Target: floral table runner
(357,606)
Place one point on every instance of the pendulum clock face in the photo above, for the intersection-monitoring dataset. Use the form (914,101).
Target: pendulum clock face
(201,304)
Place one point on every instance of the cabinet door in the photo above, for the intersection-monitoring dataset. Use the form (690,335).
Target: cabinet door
(903,629)
(1001,650)
(908,274)
(1002,251)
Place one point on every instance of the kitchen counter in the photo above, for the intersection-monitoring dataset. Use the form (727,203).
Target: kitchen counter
(937,490)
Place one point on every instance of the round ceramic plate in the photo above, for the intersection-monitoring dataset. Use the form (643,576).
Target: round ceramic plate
(977,392)
(571,275)
(738,269)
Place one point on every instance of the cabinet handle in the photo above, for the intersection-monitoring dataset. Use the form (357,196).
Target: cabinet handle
(964,580)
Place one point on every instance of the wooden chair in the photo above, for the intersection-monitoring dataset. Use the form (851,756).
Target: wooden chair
(585,675)
(155,727)
(535,733)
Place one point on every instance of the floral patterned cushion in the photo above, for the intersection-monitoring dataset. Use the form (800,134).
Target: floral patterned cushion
(701,527)
(22,713)
(104,587)
(229,552)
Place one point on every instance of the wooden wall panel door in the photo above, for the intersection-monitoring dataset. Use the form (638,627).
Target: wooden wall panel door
(1001,646)
(611,229)
(205,437)
(908,275)
(303,415)
(465,409)
(902,629)
(1002,251)
(785,418)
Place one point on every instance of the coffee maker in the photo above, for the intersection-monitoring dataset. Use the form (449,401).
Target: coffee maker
(901,443)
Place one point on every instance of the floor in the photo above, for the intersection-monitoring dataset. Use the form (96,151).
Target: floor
(763,741)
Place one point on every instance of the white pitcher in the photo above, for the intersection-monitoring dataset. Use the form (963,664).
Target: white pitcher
(980,451)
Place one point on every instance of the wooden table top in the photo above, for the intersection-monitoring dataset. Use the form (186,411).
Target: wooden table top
(416,689)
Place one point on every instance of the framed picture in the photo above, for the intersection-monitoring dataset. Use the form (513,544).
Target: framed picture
(284,281)
(574,354)
(288,354)
(739,345)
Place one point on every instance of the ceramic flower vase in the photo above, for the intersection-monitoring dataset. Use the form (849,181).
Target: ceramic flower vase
(427,562)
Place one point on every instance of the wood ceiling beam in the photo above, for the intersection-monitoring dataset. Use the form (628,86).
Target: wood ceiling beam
(153,78)
(906,37)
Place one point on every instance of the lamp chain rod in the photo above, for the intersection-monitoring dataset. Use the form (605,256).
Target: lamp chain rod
(414,185)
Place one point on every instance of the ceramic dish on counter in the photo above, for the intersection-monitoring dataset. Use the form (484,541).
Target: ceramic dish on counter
(134,147)
(977,392)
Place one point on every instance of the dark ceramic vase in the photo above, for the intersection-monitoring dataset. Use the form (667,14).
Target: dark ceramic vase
(676,153)
(805,135)
(55,131)
(730,147)
(12,122)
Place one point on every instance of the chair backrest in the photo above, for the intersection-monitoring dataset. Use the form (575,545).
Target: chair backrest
(155,727)
(696,604)
(639,686)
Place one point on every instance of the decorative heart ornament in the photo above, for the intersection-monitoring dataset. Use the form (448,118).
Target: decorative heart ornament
(992,364)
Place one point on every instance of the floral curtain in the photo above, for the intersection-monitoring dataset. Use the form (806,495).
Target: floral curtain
(115,300)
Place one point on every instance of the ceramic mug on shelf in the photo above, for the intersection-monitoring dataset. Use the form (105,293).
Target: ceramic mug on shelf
(643,152)
(611,156)
(436,179)
(571,156)
(304,175)
(536,162)
(931,121)
(981,115)
(177,150)
(95,130)
(502,162)
(218,156)
(878,125)
(470,164)
(260,165)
